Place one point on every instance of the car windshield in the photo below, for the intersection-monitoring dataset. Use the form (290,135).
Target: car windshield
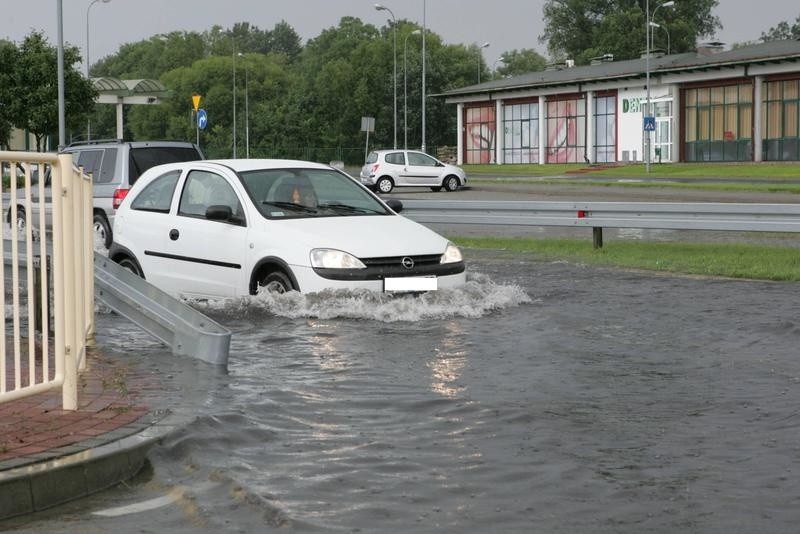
(293,193)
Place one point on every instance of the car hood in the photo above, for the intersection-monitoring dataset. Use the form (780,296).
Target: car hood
(365,236)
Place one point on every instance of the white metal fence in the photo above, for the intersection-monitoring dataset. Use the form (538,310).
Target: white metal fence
(47,274)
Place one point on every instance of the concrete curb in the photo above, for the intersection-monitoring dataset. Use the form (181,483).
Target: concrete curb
(76,471)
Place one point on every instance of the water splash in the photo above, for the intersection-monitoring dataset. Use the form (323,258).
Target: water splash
(478,297)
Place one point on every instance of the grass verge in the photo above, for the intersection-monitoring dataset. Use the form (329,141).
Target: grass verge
(728,260)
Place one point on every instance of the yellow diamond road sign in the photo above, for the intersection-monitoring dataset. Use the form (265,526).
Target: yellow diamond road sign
(196,102)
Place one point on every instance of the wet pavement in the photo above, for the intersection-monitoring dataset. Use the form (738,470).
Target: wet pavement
(545,396)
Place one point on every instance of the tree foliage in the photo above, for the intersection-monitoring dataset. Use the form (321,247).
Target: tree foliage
(583,29)
(516,62)
(30,88)
(782,31)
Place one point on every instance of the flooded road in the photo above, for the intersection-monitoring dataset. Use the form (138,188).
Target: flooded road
(545,397)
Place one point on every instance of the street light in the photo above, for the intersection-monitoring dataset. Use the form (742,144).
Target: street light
(480,59)
(405,88)
(246,111)
(652,39)
(423,75)
(648,20)
(88,9)
(494,66)
(380,7)
(234,99)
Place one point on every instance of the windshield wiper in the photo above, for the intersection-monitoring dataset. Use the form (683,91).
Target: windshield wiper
(349,209)
(290,205)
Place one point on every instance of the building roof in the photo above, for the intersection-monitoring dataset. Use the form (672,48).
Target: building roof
(769,52)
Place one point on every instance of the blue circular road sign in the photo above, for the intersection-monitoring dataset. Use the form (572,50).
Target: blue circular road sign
(202,119)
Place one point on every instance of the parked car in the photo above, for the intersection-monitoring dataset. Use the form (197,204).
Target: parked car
(387,169)
(115,165)
(225,228)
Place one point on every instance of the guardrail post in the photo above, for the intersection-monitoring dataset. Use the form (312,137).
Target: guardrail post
(597,237)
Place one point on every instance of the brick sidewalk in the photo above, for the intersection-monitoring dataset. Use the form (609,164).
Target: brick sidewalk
(111,396)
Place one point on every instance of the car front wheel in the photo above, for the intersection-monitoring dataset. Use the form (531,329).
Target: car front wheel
(451,183)
(384,185)
(102,230)
(276,282)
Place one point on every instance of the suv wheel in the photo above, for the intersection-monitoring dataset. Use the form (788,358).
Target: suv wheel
(102,230)
(451,183)
(384,185)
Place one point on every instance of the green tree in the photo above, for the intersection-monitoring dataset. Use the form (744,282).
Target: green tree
(516,62)
(34,95)
(782,31)
(583,29)
(8,58)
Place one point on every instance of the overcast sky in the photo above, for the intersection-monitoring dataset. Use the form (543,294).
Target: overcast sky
(505,24)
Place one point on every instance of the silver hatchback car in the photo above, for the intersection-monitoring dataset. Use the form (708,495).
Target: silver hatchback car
(387,169)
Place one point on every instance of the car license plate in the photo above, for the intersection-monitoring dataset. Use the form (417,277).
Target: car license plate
(411,283)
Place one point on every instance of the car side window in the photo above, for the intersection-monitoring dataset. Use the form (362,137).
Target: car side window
(203,189)
(157,195)
(90,161)
(395,158)
(417,158)
(106,168)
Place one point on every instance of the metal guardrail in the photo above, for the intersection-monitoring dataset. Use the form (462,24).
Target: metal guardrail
(599,215)
(46,362)
(187,331)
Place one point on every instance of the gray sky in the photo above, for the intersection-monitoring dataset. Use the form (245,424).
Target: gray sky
(505,24)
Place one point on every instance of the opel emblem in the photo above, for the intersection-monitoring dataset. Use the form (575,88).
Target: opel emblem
(407,262)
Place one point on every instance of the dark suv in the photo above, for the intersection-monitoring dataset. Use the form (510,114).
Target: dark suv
(115,166)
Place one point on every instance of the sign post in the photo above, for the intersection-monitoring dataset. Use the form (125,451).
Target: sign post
(367,125)
(196,106)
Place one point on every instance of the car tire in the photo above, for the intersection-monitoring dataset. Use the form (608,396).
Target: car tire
(451,183)
(102,230)
(276,282)
(384,185)
(21,219)
(131,264)
(436,188)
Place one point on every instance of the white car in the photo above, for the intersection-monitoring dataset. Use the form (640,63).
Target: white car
(207,229)
(387,169)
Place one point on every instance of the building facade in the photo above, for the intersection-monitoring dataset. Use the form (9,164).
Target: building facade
(709,106)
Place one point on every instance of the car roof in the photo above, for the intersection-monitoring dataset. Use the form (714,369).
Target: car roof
(243,165)
(104,143)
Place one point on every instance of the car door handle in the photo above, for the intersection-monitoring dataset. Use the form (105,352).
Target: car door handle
(174,234)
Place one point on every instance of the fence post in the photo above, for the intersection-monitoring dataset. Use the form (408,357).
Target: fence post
(597,237)
(67,222)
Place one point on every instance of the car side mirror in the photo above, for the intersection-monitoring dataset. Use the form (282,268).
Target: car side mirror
(218,212)
(395,204)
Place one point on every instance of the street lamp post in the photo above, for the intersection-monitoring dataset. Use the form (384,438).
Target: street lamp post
(480,59)
(423,75)
(405,88)
(234,100)
(88,9)
(246,110)
(652,39)
(648,20)
(380,7)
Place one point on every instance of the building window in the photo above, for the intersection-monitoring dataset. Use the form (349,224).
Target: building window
(780,119)
(605,129)
(566,130)
(521,133)
(479,130)
(719,123)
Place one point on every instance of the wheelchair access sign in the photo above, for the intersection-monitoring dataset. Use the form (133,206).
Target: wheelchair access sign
(649,124)
(202,119)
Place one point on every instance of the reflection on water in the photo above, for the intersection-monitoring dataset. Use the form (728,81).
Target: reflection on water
(449,360)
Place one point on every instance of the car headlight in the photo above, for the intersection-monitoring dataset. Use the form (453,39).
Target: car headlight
(328,258)
(451,254)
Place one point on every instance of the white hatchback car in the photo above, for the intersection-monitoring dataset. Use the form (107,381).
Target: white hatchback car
(387,169)
(224,228)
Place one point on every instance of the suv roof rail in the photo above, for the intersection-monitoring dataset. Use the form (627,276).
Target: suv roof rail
(95,142)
